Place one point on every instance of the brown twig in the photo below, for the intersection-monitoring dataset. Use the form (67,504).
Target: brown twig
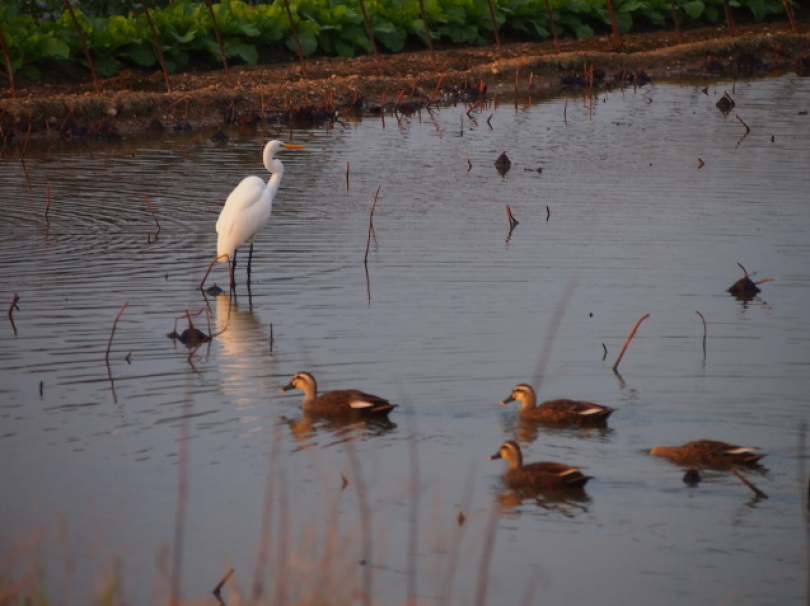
(489,121)
(614,24)
(428,37)
(678,35)
(548,213)
(628,339)
(789,13)
(294,31)
(12,87)
(210,266)
(219,41)
(371,224)
(365,525)
(495,29)
(112,332)
(158,46)
(48,203)
(370,34)
(218,589)
(348,166)
(271,337)
(759,494)
(87,54)
(732,28)
(152,210)
(704,331)
(553,27)
(747,129)
(11,309)
(512,221)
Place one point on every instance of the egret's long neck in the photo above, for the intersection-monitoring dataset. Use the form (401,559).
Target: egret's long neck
(276,170)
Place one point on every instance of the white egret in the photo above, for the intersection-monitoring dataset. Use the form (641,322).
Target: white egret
(248,208)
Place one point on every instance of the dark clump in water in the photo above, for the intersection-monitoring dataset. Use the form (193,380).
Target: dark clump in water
(503,164)
(190,336)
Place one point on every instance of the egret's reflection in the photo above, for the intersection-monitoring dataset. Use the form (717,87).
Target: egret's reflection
(246,362)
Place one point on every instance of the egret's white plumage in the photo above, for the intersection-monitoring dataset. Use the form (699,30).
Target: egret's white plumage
(248,207)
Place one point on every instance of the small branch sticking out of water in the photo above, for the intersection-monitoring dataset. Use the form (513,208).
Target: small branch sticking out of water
(469,162)
(489,121)
(348,167)
(759,494)
(112,332)
(704,331)
(628,339)
(701,163)
(11,309)
(48,203)
(565,113)
(154,216)
(512,221)
(371,224)
(548,213)
(604,349)
(271,337)
(208,271)
(747,129)
(218,589)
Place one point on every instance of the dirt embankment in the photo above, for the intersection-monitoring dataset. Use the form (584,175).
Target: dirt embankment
(280,90)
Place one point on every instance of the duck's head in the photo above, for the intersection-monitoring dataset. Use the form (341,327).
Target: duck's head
(510,451)
(522,393)
(301,380)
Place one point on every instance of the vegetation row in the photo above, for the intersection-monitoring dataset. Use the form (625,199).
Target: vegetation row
(118,33)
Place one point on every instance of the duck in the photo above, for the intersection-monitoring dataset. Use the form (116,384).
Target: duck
(562,411)
(341,402)
(545,475)
(712,453)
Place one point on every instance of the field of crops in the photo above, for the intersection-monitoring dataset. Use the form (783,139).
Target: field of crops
(118,34)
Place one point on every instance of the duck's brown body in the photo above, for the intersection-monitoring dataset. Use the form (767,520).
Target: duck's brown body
(544,475)
(341,402)
(561,411)
(709,452)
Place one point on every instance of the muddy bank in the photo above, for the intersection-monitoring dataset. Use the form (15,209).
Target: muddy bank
(66,104)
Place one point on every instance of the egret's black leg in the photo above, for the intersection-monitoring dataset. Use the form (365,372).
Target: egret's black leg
(250,260)
(233,272)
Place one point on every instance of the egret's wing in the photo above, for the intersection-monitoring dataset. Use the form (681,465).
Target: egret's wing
(246,210)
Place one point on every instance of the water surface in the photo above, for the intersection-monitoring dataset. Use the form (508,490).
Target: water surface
(451,311)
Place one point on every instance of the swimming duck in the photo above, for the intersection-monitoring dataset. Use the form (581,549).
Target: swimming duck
(341,402)
(709,452)
(543,475)
(557,411)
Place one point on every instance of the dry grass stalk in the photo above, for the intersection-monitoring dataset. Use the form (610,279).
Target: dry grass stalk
(628,339)
(112,332)
(371,224)
(704,331)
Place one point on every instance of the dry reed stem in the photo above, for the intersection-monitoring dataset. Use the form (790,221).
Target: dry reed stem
(512,221)
(263,556)
(495,29)
(158,47)
(348,167)
(759,494)
(364,512)
(550,15)
(732,28)
(112,332)
(614,25)
(413,517)
(371,224)
(152,210)
(554,322)
(12,307)
(180,507)
(87,54)
(219,40)
(294,31)
(678,35)
(704,331)
(428,37)
(218,589)
(370,34)
(747,129)
(789,13)
(48,202)
(486,557)
(9,72)
(210,266)
(628,339)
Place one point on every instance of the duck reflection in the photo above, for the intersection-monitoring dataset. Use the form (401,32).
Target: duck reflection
(244,364)
(305,428)
(568,503)
(527,431)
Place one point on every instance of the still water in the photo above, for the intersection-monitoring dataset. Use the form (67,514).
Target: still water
(166,468)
